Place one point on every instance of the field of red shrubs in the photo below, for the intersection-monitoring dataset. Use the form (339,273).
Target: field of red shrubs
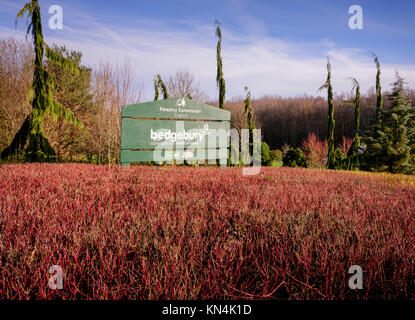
(198,233)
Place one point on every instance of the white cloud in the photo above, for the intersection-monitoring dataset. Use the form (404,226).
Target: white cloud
(266,65)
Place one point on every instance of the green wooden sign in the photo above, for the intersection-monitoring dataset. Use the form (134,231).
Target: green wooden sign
(174,129)
(176,108)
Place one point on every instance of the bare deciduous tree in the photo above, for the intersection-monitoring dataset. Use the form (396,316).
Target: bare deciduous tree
(16,74)
(113,87)
(183,84)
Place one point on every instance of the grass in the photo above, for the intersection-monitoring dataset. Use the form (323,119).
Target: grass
(204,233)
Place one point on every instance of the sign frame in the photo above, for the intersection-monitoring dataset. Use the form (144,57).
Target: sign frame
(143,124)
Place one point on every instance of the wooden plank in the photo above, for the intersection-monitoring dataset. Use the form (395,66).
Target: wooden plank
(175,108)
(148,134)
(128,156)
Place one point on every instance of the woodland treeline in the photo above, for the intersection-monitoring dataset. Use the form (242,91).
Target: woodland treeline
(96,95)
(289,121)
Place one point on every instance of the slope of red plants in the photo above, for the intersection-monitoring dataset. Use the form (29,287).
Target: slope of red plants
(197,233)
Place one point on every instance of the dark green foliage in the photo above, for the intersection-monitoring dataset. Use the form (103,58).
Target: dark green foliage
(163,88)
(19,141)
(389,146)
(340,159)
(331,122)
(156,88)
(249,118)
(234,149)
(353,155)
(39,150)
(159,84)
(43,102)
(379,97)
(250,124)
(372,157)
(220,81)
(411,131)
(294,158)
(249,112)
(265,153)
(73,91)
(352,161)
(276,155)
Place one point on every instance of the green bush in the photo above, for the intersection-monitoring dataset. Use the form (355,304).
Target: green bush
(274,164)
(340,159)
(294,158)
(276,155)
(265,154)
(234,148)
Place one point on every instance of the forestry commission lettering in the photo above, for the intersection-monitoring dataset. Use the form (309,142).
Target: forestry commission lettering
(179,110)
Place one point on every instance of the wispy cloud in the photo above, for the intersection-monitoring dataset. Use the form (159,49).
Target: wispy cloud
(9,7)
(267,65)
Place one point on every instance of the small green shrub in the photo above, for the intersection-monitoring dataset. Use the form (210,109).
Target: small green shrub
(340,159)
(234,149)
(276,155)
(294,158)
(274,163)
(265,153)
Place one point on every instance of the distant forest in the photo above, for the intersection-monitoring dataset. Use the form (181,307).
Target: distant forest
(97,94)
(290,120)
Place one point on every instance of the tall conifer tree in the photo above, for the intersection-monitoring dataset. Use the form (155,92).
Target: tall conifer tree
(331,163)
(43,102)
(373,157)
(379,97)
(159,84)
(352,156)
(249,117)
(390,148)
(220,81)
(163,88)
(156,88)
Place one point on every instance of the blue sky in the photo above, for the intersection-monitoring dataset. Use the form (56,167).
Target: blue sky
(274,47)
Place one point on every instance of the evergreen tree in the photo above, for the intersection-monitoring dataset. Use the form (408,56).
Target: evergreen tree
(163,88)
(43,102)
(331,163)
(156,88)
(389,149)
(220,81)
(73,91)
(373,157)
(352,156)
(249,116)
(294,158)
(159,84)
(411,133)
(379,97)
